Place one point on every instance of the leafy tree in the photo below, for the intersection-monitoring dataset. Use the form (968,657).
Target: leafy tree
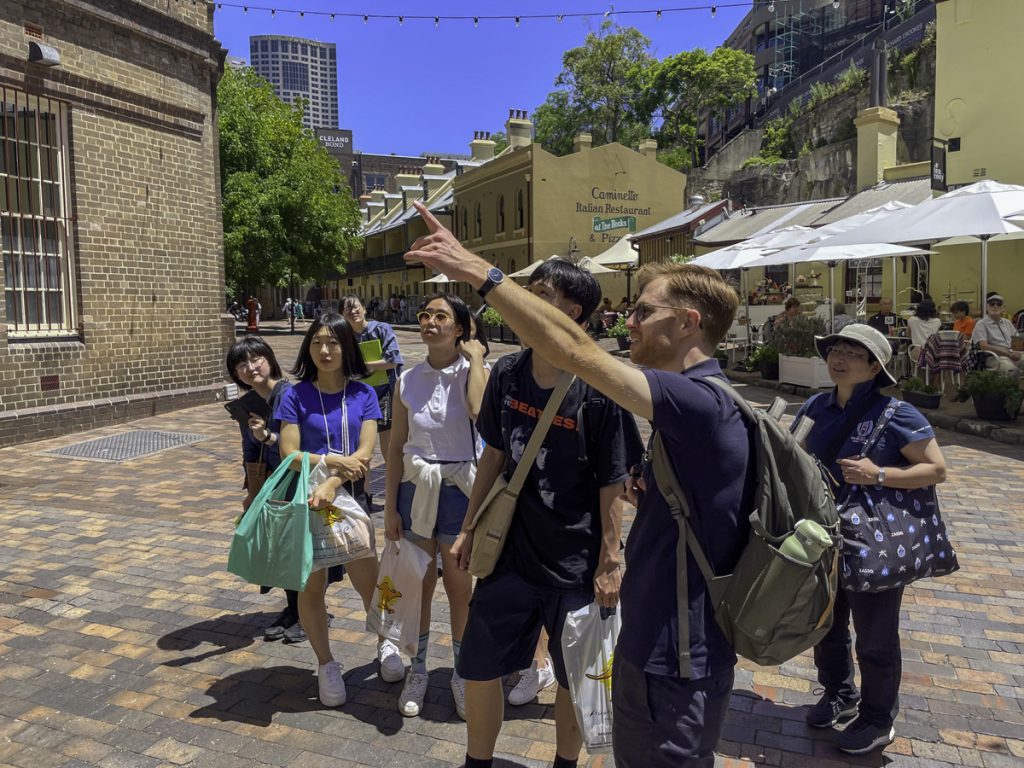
(287,210)
(500,141)
(599,90)
(556,122)
(688,83)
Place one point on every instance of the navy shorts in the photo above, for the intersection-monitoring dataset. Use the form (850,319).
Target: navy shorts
(666,722)
(451,511)
(505,617)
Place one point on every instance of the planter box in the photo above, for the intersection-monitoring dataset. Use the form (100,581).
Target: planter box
(804,371)
(769,370)
(991,406)
(922,400)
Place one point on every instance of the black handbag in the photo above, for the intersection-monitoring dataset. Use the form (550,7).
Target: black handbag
(891,536)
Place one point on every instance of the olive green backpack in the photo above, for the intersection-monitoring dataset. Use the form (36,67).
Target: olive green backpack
(771,607)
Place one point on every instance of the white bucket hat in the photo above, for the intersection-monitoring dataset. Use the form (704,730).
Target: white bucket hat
(863,336)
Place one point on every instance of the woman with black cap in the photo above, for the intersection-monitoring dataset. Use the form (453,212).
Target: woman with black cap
(905,456)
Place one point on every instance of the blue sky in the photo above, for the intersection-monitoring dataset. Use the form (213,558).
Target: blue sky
(414,88)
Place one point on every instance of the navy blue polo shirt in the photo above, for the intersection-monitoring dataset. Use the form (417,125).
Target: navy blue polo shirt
(908,425)
(708,443)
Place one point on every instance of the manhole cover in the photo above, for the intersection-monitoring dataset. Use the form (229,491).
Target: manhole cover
(125,446)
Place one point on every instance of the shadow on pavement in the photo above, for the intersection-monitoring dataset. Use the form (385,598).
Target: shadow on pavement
(757,730)
(257,696)
(228,633)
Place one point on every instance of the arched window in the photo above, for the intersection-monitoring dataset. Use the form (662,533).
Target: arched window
(501,213)
(465,223)
(478,227)
(519,209)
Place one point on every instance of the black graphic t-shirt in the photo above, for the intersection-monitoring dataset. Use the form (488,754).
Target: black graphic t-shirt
(555,537)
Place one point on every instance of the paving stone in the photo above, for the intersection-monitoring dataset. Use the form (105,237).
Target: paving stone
(139,649)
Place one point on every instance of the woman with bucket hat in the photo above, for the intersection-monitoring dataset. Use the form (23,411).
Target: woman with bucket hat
(905,456)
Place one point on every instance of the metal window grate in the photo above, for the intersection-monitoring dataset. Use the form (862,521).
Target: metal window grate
(125,446)
(35,223)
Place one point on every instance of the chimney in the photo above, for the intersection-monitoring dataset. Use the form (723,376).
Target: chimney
(406,177)
(582,141)
(433,167)
(877,134)
(519,129)
(648,148)
(481,147)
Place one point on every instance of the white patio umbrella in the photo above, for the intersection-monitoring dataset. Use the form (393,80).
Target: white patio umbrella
(827,252)
(620,254)
(975,211)
(438,279)
(586,263)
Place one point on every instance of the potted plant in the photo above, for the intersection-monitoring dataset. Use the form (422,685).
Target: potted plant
(799,362)
(620,332)
(766,360)
(996,396)
(493,323)
(922,395)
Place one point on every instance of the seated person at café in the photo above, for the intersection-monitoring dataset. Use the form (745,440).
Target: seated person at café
(840,318)
(994,334)
(922,324)
(790,311)
(885,320)
(962,320)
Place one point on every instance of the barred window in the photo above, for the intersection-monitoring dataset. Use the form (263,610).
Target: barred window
(35,218)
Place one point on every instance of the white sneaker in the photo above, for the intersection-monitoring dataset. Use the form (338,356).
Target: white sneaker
(332,684)
(392,669)
(459,694)
(410,702)
(531,682)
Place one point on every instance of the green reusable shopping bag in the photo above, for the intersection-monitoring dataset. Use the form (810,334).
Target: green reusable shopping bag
(272,545)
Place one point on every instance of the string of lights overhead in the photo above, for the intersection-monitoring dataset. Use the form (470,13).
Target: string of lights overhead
(517,19)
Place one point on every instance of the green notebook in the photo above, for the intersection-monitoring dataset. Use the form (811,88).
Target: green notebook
(371,353)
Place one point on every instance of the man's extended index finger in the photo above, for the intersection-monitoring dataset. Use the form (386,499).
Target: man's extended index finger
(432,223)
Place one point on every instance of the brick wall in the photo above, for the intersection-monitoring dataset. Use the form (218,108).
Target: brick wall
(137,76)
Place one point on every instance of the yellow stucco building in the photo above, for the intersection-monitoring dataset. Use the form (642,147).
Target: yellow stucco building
(514,208)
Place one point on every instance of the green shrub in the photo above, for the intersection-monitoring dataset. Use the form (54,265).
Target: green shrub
(916,384)
(796,336)
(490,316)
(984,382)
(619,328)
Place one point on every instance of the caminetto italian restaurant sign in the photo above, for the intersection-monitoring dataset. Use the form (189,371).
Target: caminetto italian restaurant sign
(616,207)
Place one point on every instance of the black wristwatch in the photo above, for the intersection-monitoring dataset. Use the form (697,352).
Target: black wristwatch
(494,277)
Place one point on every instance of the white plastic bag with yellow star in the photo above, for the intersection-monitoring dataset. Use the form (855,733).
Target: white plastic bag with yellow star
(395,607)
(341,531)
(588,649)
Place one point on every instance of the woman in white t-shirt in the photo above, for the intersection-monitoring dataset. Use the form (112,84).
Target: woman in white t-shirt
(431,466)
(922,324)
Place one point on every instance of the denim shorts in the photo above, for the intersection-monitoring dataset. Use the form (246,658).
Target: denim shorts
(451,511)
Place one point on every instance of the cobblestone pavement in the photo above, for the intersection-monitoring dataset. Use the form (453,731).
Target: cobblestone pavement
(123,641)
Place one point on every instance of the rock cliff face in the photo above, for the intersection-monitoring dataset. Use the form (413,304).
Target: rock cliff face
(826,140)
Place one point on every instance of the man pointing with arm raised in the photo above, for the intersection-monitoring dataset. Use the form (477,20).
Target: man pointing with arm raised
(660,717)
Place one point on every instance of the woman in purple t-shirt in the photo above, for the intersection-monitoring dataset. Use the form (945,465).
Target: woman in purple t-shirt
(331,417)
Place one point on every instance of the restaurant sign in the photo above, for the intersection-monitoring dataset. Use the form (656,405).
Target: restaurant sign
(619,222)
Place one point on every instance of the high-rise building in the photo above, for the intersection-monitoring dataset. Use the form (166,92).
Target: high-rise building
(300,69)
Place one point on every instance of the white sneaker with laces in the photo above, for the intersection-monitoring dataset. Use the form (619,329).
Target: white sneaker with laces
(459,694)
(410,702)
(332,684)
(531,682)
(392,668)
